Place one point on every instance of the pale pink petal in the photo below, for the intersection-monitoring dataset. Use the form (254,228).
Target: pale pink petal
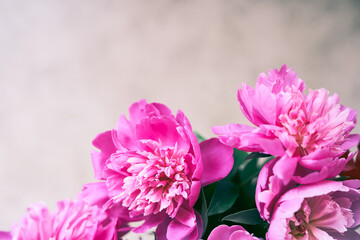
(223,232)
(239,136)
(243,235)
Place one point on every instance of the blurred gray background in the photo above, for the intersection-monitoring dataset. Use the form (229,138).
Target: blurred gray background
(68,69)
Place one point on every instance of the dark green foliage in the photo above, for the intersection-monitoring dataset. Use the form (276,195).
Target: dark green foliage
(249,217)
(224,197)
(231,201)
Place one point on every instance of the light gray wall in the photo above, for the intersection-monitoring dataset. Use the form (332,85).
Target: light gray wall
(68,69)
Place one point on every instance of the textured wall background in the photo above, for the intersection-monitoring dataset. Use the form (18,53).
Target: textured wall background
(68,69)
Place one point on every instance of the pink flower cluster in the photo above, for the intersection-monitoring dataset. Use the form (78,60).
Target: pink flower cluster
(308,134)
(71,220)
(151,168)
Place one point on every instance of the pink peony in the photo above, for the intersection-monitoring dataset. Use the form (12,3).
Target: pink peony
(153,165)
(224,232)
(325,210)
(283,173)
(309,133)
(72,220)
(313,128)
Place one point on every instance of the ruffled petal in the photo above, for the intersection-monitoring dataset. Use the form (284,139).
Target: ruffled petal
(104,142)
(95,193)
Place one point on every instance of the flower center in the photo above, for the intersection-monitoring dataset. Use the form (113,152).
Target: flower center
(313,122)
(157,180)
(295,123)
(320,214)
(298,225)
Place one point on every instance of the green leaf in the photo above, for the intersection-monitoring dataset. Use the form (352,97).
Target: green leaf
(199,137)
(155,236)
(204,210)
(249,216)
(339,178)
(257,155)
(239,157)
(224,197)
(248,170)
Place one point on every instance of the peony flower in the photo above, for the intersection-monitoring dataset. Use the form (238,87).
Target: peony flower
(307,127)
(154,166)
(236,232)
(72,220)
(283,173)
(325,210)
(309,134)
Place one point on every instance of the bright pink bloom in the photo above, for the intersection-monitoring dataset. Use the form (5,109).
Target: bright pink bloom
(236,232)
(72,220)
(325,210)
(281,174)
(153,165)
(307,127)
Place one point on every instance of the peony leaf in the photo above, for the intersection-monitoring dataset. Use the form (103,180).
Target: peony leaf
(199,137)
(224,197)
(239,157)
(204,210)
(257,155)
(342,178)
(249,216)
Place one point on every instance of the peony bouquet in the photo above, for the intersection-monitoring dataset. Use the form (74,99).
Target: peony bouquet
(291,175)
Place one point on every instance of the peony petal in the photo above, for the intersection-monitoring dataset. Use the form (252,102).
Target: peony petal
(223,232)
(239,136)
(197,232)
(162,129)
(186,215)
(104,142)
(151,221)
(178,231)
(124,137)
(217,160)
(348,235)
(352,141)
(274,179)
(5,235)
(161,229)
(194,194)
(243,235)
(95,193)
